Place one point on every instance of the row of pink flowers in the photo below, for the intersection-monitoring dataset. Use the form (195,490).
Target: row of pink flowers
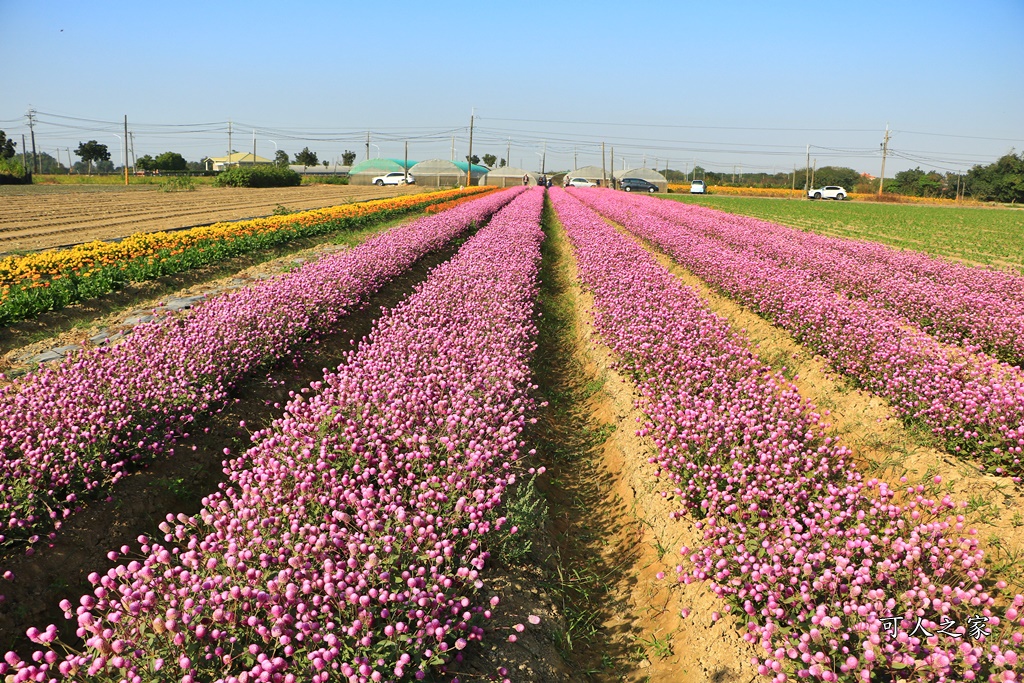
(970,401)
(955,303)
(72,431)
(349,542)
(810,559)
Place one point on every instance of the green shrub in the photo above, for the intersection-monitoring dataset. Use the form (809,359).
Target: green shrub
(13,173)
(181,183)
(261,175)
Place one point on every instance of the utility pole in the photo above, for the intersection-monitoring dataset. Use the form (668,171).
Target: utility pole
(686,171)
(406,165)
(453,148)
(543,159)
(604,174)
(469,159)
(367,145)
(575,160)
(814,167)
(508,153)
(885,152)
(24,154)
(611,158)
(228,164)
(957,195)
(253,146)
(807,170)
(67,148)
(32,132)
(126,149)
(132,137)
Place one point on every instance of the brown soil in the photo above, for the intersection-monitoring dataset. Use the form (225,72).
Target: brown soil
(882,445)
(174,484)
(611,528)
(40,217)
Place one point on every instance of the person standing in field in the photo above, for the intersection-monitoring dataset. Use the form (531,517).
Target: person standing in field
(526,179)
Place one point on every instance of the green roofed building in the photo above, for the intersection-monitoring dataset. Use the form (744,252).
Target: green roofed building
(363,173)
(444,173)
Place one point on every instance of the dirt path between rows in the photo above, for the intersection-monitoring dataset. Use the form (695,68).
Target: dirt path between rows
(883,447)
(33,218)
(611,531)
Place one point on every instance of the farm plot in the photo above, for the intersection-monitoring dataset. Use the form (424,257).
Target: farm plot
(815,558)
(352,503)
(358,538)
(47,217)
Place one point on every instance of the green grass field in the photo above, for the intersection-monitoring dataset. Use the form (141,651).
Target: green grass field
(986,236)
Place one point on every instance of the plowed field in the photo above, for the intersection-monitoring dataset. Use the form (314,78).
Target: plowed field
(42,217)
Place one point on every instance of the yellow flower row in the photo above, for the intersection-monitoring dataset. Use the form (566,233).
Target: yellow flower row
(53,264)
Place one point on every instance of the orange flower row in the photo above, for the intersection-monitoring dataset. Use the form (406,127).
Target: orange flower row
(83,258)
(437,208)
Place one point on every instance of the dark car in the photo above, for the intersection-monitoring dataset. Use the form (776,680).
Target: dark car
(637,185)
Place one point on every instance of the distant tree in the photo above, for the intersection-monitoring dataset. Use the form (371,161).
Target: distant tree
(306,158)
(196,166)
(327,164)
(490,160)
(105,166)
(1002,181)
(6,146)
(348,158)
(145,163)
(93,151)
(502,164)
(836,175)
(475,160)
(171,161)
(281,157)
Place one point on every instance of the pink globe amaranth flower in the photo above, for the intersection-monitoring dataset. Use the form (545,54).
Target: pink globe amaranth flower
(792,532)
(307,515)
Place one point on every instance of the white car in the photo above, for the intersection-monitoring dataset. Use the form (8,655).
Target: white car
(580,182)
(698,187)
(394,178)
(828,192)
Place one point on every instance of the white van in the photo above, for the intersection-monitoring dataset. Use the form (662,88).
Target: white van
(698,187)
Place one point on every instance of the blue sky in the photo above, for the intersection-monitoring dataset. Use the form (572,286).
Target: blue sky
(741,84)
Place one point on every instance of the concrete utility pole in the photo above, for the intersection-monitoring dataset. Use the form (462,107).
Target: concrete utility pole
(406,166)
(367,145)
(575,160)
(32,133)
(228,163)
(807,170)
(453,148)
(508,153)
(611,158)
(544,158)
(469,159)
(814,167)
(126,149)
(604,174)
(885,152)
(24,154)
(254,146)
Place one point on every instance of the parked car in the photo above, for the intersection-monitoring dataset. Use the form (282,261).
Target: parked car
(637,185)
(580,182)
(698,187)
(828,192)
(394,178)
